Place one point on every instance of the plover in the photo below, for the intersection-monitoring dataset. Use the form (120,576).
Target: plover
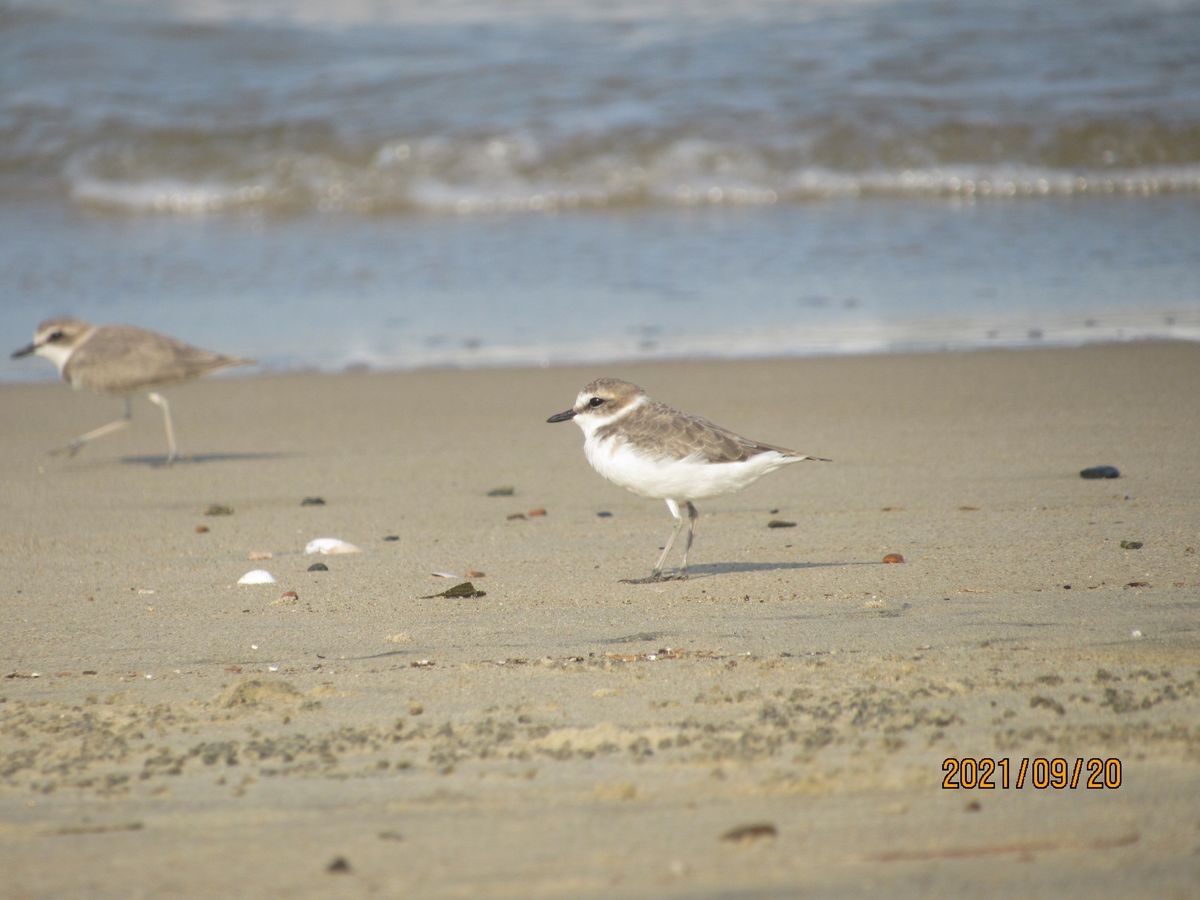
(121,360)
(656,451)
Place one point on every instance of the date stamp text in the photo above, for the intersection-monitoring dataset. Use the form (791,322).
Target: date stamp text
(986,773)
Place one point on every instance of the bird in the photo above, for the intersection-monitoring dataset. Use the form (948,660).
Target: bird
(659,452)
(121,360)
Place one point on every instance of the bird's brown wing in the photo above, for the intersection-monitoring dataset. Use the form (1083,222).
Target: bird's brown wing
(118,359)
(657,429)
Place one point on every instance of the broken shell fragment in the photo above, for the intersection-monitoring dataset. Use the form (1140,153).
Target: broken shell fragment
(466,589)
(894,558)
(259,554)
(330,546)
(257,576)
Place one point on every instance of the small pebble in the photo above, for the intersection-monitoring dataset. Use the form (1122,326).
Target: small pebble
(536,512)
(201,529)
(1131,545)
(780,523)
(1100,472)
(894,558)
(473,573)
(259,554)
(318,567)
(339,866)
(512,517)
(753,832)
(1136,633)
(217,510)
(604,514)
(289,595)
(313,501)
(502,491)
(391,537)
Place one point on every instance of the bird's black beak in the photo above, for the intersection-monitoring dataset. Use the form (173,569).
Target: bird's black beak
(562,416)
(24,351)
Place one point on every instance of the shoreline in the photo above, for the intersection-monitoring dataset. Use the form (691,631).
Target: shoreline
(926,348)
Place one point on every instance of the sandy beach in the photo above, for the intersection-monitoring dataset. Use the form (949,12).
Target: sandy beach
(776,725)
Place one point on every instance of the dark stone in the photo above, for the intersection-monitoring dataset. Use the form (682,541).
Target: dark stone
(318,567)
(313,501)
(1101,472)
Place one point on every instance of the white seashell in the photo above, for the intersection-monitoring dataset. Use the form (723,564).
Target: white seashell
(444,575)
(330,546)
(257,576)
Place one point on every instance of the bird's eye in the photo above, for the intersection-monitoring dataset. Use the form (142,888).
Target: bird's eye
(55,336)
(595,401)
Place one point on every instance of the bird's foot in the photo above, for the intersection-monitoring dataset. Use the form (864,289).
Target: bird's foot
(70,449)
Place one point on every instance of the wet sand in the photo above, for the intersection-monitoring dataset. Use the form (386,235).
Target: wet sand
(165,732)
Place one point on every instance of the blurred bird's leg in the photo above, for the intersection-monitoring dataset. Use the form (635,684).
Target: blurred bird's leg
(159,400)
(116,425)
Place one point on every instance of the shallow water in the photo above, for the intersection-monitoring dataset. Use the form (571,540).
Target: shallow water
(472,183)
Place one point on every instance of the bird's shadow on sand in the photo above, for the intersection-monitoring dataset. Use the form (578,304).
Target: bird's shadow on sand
(708,570)
(160,462)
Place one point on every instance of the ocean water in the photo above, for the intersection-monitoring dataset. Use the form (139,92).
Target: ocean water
(336,183)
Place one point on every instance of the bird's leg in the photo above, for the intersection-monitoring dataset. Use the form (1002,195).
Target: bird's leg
(674,508)
(116,425)
(159,400)
(693,515)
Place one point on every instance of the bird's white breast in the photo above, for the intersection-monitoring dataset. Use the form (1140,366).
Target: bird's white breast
(689,478)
